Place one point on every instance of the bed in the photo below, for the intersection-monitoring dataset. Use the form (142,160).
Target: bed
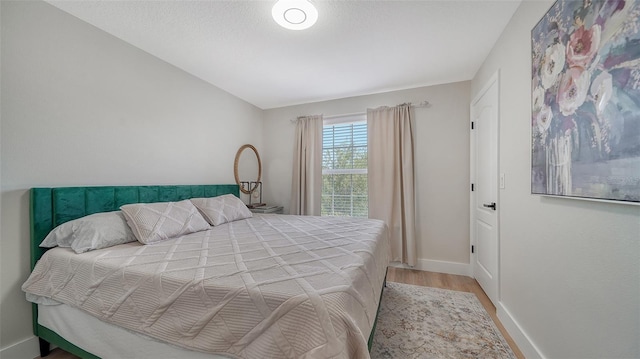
(269,286)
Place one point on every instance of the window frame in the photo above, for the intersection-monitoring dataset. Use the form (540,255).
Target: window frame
(352,119)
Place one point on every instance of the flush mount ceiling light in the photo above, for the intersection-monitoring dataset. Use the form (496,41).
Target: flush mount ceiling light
(294,14)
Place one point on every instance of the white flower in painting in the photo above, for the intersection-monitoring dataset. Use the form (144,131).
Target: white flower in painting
(573,90)
(601,90)
(537,100)
(552,65)
(543,119)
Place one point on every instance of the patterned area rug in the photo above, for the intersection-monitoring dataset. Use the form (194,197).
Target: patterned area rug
(423,322)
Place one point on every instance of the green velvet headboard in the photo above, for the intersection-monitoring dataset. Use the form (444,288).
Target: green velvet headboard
(51,207)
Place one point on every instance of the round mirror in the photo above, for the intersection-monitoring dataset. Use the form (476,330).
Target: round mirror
(247,168)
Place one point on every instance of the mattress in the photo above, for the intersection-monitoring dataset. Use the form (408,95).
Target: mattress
(270,286)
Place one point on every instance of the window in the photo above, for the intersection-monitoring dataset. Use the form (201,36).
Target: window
(344,167)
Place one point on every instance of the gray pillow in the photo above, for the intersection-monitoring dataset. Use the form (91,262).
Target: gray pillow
(222,209)
(95,231)
(154,222)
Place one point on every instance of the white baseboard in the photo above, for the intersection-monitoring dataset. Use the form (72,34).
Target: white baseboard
(524,343)
(431,265)
(26,349)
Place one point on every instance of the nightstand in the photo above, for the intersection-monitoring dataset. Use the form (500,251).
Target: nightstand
(267,209)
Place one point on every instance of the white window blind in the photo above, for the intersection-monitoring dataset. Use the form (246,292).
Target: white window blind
(344,167)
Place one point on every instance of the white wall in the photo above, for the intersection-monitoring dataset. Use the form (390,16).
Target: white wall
(570,269)
(442,164)
(80,107)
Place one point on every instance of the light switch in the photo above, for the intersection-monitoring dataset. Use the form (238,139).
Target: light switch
(502,180)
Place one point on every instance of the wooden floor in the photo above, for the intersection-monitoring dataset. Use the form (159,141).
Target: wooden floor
(415,277)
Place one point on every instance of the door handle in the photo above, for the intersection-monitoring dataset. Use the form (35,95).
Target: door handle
(492,205)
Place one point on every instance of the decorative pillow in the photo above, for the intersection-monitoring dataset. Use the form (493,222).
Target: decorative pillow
(222,209)
(95,231)
(154,222)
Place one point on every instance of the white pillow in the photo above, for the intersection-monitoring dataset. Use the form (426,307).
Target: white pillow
(95,231)
(222,209)
(154,222)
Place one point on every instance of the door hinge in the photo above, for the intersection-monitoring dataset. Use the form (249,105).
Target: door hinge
(473,188)
(472,125)
(473,249)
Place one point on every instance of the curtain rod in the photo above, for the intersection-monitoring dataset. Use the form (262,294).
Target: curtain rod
(424,103)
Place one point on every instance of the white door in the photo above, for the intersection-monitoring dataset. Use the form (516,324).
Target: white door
(484,195)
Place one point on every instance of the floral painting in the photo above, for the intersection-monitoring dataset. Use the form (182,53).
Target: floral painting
(586,100)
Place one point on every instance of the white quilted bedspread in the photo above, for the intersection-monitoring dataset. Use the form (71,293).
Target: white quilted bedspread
(271,286)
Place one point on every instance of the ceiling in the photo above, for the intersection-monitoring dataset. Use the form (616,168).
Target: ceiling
(355,48)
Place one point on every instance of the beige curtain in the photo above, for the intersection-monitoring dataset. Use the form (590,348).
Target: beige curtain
(391,177)
(306,183)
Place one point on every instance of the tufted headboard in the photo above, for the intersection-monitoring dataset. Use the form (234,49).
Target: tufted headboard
(50,207)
